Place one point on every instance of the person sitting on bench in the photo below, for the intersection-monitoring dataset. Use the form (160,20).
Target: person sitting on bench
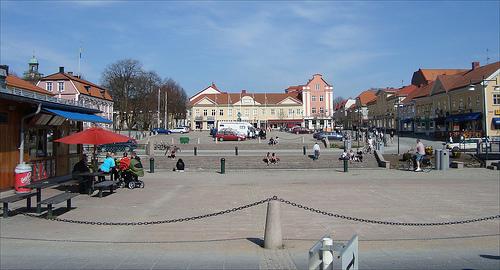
(274,159)
(81,167)
(107,166)
(267,158)
(179,166)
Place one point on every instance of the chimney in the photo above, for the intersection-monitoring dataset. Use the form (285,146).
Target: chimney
(70,73)
(475,65)
(61,69)
(243,91)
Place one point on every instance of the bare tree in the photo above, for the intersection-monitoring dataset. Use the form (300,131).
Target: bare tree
(176,102)
(338,100)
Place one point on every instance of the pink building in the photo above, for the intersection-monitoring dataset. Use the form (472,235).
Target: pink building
(317,102)
(68,86)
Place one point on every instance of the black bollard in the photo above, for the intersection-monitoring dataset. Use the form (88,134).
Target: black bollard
(236,150)
(152,165)
(346,165)
(304,149)
(195,151)
(222,165)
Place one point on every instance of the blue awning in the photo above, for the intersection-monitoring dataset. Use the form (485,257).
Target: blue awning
(464,117)
(84,117)
(496,121)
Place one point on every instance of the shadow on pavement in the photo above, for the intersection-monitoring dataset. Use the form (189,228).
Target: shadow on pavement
(259,242)
(491,257)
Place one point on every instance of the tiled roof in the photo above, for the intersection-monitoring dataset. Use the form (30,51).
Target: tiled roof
(212,85)
(16,82)
(93,89)
(232,98)
(457,81)
(367,96)
(432,74)
(419,92)
(404,91)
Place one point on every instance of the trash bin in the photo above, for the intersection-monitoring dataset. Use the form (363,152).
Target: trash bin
(437,157)
(23,177)
(445,159)
(347,145)
(184,140)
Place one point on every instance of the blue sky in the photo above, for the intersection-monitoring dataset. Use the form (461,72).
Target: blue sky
(253,45)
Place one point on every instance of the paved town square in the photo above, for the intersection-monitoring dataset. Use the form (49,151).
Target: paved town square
(233,240)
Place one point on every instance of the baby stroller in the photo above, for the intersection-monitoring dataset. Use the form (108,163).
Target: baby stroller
(131,180)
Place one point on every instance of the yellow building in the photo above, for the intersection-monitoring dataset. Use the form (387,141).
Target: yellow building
(260,109)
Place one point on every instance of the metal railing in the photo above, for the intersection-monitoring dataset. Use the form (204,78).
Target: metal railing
(39,96)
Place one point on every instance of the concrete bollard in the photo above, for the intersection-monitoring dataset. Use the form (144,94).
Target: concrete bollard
(272,235)
(222,165)
(152,165)
(195,151)
(304,150)
(236,150)
(346,165)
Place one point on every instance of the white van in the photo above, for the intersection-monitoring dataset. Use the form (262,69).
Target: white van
(243,128)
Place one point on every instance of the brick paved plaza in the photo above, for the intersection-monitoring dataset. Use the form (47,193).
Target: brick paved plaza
(231,241)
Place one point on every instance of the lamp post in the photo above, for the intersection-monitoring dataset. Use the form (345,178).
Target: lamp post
(397,106)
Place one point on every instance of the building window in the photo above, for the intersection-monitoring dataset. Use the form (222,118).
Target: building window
(254,112)
(321,110)
(281,112)
(313,98)
(496,99)
(221,112)
(313,110)
(263,111)
(49,86)
(230,112)
(320,98)
(273,111)
(290,112)
(247,112)
(317,86)
(213,112)
(454,104)
(205,112)
(60,86)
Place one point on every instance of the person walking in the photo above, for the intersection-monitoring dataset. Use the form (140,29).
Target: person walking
(316,151)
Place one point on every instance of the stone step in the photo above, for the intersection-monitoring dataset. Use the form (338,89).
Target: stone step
(247,162)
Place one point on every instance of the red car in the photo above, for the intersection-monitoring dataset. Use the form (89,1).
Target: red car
(229,135)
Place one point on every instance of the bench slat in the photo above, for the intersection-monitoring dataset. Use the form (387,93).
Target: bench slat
(17,197)
(59,198)
(105,184)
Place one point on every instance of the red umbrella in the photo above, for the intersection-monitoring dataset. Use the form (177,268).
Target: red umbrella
(95,136)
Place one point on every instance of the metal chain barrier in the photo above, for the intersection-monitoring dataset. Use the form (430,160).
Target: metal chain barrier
(274,198)
(394,223)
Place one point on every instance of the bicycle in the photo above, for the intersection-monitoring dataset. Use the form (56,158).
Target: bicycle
(425,164)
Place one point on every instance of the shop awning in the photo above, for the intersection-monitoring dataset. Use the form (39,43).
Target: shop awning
(85,117)
(496,121)
(464,117)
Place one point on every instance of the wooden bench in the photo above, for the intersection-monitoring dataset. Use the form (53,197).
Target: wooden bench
(66,196)
(49,182)
(105,184)
(15,198)
(457,164)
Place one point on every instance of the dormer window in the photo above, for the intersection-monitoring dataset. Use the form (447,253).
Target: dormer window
(317,86)
(60,86)
(49,86)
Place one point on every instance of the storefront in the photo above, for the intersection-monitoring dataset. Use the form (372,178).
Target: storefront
(284,123)
(467,124)
(29,123)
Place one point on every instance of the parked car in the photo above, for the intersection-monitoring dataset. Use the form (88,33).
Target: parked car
(331,136)
(317,134)
(468,144)
(229,135)
(130,145)
(181,130)
(160,131)
(301,130)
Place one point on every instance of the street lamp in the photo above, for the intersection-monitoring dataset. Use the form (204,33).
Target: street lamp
(398,123)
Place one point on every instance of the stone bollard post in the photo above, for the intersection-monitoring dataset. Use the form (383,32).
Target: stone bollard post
(222,165)
(346,165)
(195,151)
(304,150)
(236,150)
(272,235)
(152,165)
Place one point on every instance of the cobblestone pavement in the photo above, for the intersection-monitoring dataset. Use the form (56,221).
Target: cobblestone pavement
(232,241)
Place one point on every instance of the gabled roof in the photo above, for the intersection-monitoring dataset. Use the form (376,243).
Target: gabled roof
(16,82)
(367,96)
(457,81)
(422,91)
(298,88)
(432,74)
(83,86)
(213,86)
(405,90)
(232,98)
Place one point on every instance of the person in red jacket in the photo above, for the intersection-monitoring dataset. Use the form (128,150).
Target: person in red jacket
(124,162)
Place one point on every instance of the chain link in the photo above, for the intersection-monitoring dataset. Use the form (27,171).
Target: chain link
(274,198)
(393,223)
